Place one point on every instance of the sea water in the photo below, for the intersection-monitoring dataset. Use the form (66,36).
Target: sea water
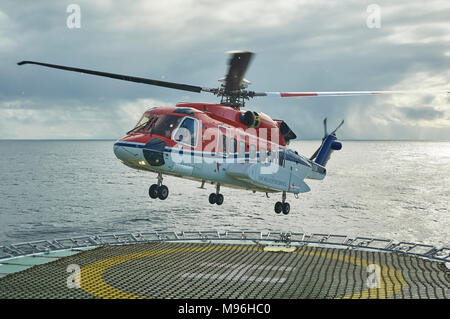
(62,188)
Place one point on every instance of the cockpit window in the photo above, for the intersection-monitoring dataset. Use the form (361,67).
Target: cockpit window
(187,132)
(142,123)
(164,125)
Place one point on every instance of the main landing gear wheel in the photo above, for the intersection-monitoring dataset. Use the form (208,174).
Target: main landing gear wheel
(212,198)
(219,199)
(278,207)
(163,192)
(216,198)
(286,208)
(153,191)
(282,206)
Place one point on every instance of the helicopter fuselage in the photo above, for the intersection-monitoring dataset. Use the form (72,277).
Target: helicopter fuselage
(208,143)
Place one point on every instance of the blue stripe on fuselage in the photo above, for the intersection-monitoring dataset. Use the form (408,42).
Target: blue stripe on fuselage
(128,144)
(288,157)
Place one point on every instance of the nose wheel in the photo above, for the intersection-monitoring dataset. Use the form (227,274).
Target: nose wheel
(216,198)
(158,190)
(283,206)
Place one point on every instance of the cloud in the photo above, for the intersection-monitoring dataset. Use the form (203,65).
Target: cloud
(416,110)
(421,113)
(300,46)
(7,43)
(48,119)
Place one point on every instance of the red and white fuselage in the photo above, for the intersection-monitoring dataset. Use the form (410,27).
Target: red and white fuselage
(208,142)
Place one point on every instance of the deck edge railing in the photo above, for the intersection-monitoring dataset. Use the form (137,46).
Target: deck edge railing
(279,238)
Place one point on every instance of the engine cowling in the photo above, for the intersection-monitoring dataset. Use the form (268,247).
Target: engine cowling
(250,119)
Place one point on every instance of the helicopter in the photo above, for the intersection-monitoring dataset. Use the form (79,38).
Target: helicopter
(222,144)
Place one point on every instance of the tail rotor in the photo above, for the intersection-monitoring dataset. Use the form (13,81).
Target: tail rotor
(337,128)
(329,144)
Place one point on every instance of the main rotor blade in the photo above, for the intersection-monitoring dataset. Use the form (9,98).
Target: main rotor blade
(238,64)
(170,85)
(344,93)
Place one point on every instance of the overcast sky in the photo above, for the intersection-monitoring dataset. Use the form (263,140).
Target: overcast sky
(299,45)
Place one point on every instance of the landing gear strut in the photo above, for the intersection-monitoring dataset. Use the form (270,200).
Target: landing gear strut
(158,190)
(216,198)
(282,206)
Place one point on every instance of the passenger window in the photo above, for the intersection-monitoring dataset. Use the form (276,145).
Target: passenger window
(252,151)
(233,145)
(241,155)
(187,132)
(263,154)
(241,148)
(224,143)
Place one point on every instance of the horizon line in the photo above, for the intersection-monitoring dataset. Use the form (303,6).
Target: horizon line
(297,140)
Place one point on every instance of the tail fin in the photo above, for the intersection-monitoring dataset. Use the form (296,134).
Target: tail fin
(329,144)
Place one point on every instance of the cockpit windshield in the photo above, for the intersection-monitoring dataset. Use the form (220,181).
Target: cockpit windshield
(142,123)
(165,124)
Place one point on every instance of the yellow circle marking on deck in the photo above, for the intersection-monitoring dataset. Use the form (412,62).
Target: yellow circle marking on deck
(92,275)
(92,281)
(280,249)
(391,281)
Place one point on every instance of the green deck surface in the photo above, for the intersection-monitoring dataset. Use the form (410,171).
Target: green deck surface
(16,264)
